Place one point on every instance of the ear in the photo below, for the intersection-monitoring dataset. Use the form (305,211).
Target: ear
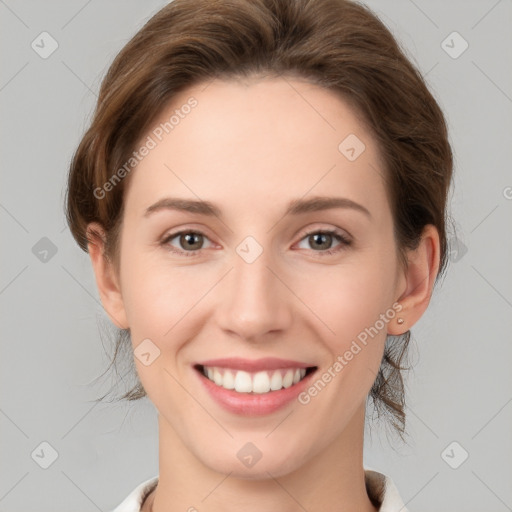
(106,279)
(419,278)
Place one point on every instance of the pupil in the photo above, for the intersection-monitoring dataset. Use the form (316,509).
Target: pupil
(189,238)
(322,236)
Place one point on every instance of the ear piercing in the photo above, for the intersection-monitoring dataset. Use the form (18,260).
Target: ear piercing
(400,321)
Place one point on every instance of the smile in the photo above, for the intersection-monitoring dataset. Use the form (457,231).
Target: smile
(254,387)
(260,382)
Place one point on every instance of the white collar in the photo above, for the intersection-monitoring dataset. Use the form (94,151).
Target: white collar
(379,486)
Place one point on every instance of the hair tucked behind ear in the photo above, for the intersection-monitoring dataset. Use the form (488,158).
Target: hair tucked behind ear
(337,44)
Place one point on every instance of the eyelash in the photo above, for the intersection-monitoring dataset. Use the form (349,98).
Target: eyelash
(344,242)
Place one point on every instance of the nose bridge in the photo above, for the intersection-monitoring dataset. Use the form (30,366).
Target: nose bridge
(254,303)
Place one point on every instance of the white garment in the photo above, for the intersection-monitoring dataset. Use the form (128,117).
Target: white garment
(378,485)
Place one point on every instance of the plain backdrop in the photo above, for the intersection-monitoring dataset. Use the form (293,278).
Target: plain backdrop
(460,391)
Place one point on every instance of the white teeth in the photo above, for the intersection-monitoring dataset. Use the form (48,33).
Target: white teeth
(243,382)
(276,382)
(217,377)
(288,379)
(259,382)
(229,380)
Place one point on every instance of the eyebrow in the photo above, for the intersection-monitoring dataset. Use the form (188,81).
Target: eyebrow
(295,207)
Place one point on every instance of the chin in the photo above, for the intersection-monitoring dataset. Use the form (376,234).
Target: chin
(277,465)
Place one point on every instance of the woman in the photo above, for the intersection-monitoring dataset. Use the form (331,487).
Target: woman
(262,193)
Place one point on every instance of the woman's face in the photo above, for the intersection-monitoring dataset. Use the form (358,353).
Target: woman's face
(260,278)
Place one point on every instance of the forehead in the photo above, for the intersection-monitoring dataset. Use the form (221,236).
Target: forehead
(258,142)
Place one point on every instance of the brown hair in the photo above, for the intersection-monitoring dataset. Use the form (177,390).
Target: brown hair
(337,44)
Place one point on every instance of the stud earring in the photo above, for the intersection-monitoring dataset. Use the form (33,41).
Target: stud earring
(400,321)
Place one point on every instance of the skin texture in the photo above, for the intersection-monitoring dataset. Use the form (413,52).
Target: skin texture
(251,147)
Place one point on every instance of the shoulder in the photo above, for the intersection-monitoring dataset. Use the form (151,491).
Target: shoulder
(383,492)
(133,502)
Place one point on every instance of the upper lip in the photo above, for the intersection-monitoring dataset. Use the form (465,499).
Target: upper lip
(254,365)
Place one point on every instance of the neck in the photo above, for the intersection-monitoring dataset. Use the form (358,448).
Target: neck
(333,479)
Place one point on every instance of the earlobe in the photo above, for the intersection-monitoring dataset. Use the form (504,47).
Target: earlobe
(106,278)
(423,266)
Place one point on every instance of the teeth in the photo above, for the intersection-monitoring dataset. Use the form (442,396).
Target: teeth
(228,380)
(243,382)
(288,378)
(260,382)
(217,377)
(276,382)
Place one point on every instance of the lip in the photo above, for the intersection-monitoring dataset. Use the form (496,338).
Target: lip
(254,365)
(253,404)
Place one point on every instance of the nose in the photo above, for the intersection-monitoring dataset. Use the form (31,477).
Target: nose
(254,302)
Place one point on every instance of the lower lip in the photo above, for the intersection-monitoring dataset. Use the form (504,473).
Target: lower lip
(253,404)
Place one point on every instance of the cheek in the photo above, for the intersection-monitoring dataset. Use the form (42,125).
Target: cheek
(356,305)
(159,304)
(154,296)
(350,298)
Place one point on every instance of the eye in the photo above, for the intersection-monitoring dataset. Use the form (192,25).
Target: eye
(323,239)
(191,242)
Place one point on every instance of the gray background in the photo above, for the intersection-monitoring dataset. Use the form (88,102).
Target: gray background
(52,321)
